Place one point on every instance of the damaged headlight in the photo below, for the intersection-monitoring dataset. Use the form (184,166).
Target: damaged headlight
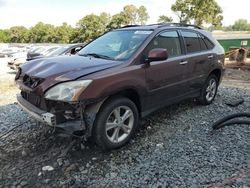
(67,91)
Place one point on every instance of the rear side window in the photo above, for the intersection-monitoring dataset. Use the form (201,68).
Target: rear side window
(168,40)
(208,43)
(192,41)
(202,43)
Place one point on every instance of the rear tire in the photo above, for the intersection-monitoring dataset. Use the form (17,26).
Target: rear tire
(209,90)
(116,123)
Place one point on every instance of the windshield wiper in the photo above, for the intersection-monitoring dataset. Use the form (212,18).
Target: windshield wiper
(97,56)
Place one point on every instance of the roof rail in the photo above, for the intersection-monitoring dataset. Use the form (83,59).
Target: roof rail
(130,26)
(179,24)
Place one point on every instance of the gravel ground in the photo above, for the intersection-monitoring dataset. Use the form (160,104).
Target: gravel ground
(174,147)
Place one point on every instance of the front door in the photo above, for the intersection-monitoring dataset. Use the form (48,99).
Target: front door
(166,80)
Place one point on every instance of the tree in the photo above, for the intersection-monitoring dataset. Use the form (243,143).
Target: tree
(164,19)
(105,19)
(18,34)
(88,28)
(199,11)
(76,35)
(142,15)
(41,33)
(133,15)
(91,27)
(4,36)
(241,25)
(63,33)
(130,14)
(116,21)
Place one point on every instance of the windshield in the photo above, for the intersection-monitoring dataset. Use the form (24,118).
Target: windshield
(117,45)
(50,50)
(58,51)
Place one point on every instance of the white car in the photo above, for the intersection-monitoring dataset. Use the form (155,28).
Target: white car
(15,63)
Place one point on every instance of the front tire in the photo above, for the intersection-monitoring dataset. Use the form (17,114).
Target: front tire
(209,90)
(116,123)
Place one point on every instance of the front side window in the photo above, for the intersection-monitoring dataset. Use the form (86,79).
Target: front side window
(116,45)
(192,41)
(168,40)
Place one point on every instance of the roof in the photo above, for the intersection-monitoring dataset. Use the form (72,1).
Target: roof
(159,25)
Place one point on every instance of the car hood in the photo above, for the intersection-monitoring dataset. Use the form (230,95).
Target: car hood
(66,67)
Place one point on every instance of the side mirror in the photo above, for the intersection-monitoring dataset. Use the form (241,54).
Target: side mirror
(157,54)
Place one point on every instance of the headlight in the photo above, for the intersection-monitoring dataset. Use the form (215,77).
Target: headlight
(67,91)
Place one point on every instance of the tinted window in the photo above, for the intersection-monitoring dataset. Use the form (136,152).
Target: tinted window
(168,40)
(202,43)
(191,41)
(209,44)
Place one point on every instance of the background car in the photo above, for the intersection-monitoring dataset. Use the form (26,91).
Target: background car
(70,49)
(40,51)
(7,52)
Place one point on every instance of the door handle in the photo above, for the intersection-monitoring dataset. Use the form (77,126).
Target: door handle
(210,56)
(183,62)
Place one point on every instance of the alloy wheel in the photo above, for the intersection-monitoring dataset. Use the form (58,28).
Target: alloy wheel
(119,124)
(211,90)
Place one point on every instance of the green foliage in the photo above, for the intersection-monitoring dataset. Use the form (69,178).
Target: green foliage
(88,28)
(116,21)
(199,11)
(133,15)
(105,19)
(142,15)
(241,25)
(91,27)
(18,34)
(62,34)
(129,14)
(41,33)
(164,19)
(4,36)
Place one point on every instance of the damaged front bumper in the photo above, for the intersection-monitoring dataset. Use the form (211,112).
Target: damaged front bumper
(36,113)
(84,123)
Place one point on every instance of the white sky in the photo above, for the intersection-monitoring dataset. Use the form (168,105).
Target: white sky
(29,12)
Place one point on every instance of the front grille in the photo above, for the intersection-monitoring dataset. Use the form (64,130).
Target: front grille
(31,82)
(34,99)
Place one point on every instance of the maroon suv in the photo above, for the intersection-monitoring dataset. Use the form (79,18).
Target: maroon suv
(120,77)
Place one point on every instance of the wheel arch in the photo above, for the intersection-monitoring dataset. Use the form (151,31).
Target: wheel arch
(217,73)
(129,93)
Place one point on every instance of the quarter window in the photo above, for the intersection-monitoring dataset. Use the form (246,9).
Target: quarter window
(209,44)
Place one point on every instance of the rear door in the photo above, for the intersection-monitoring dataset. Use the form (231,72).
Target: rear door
(199,57)
(166,79)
